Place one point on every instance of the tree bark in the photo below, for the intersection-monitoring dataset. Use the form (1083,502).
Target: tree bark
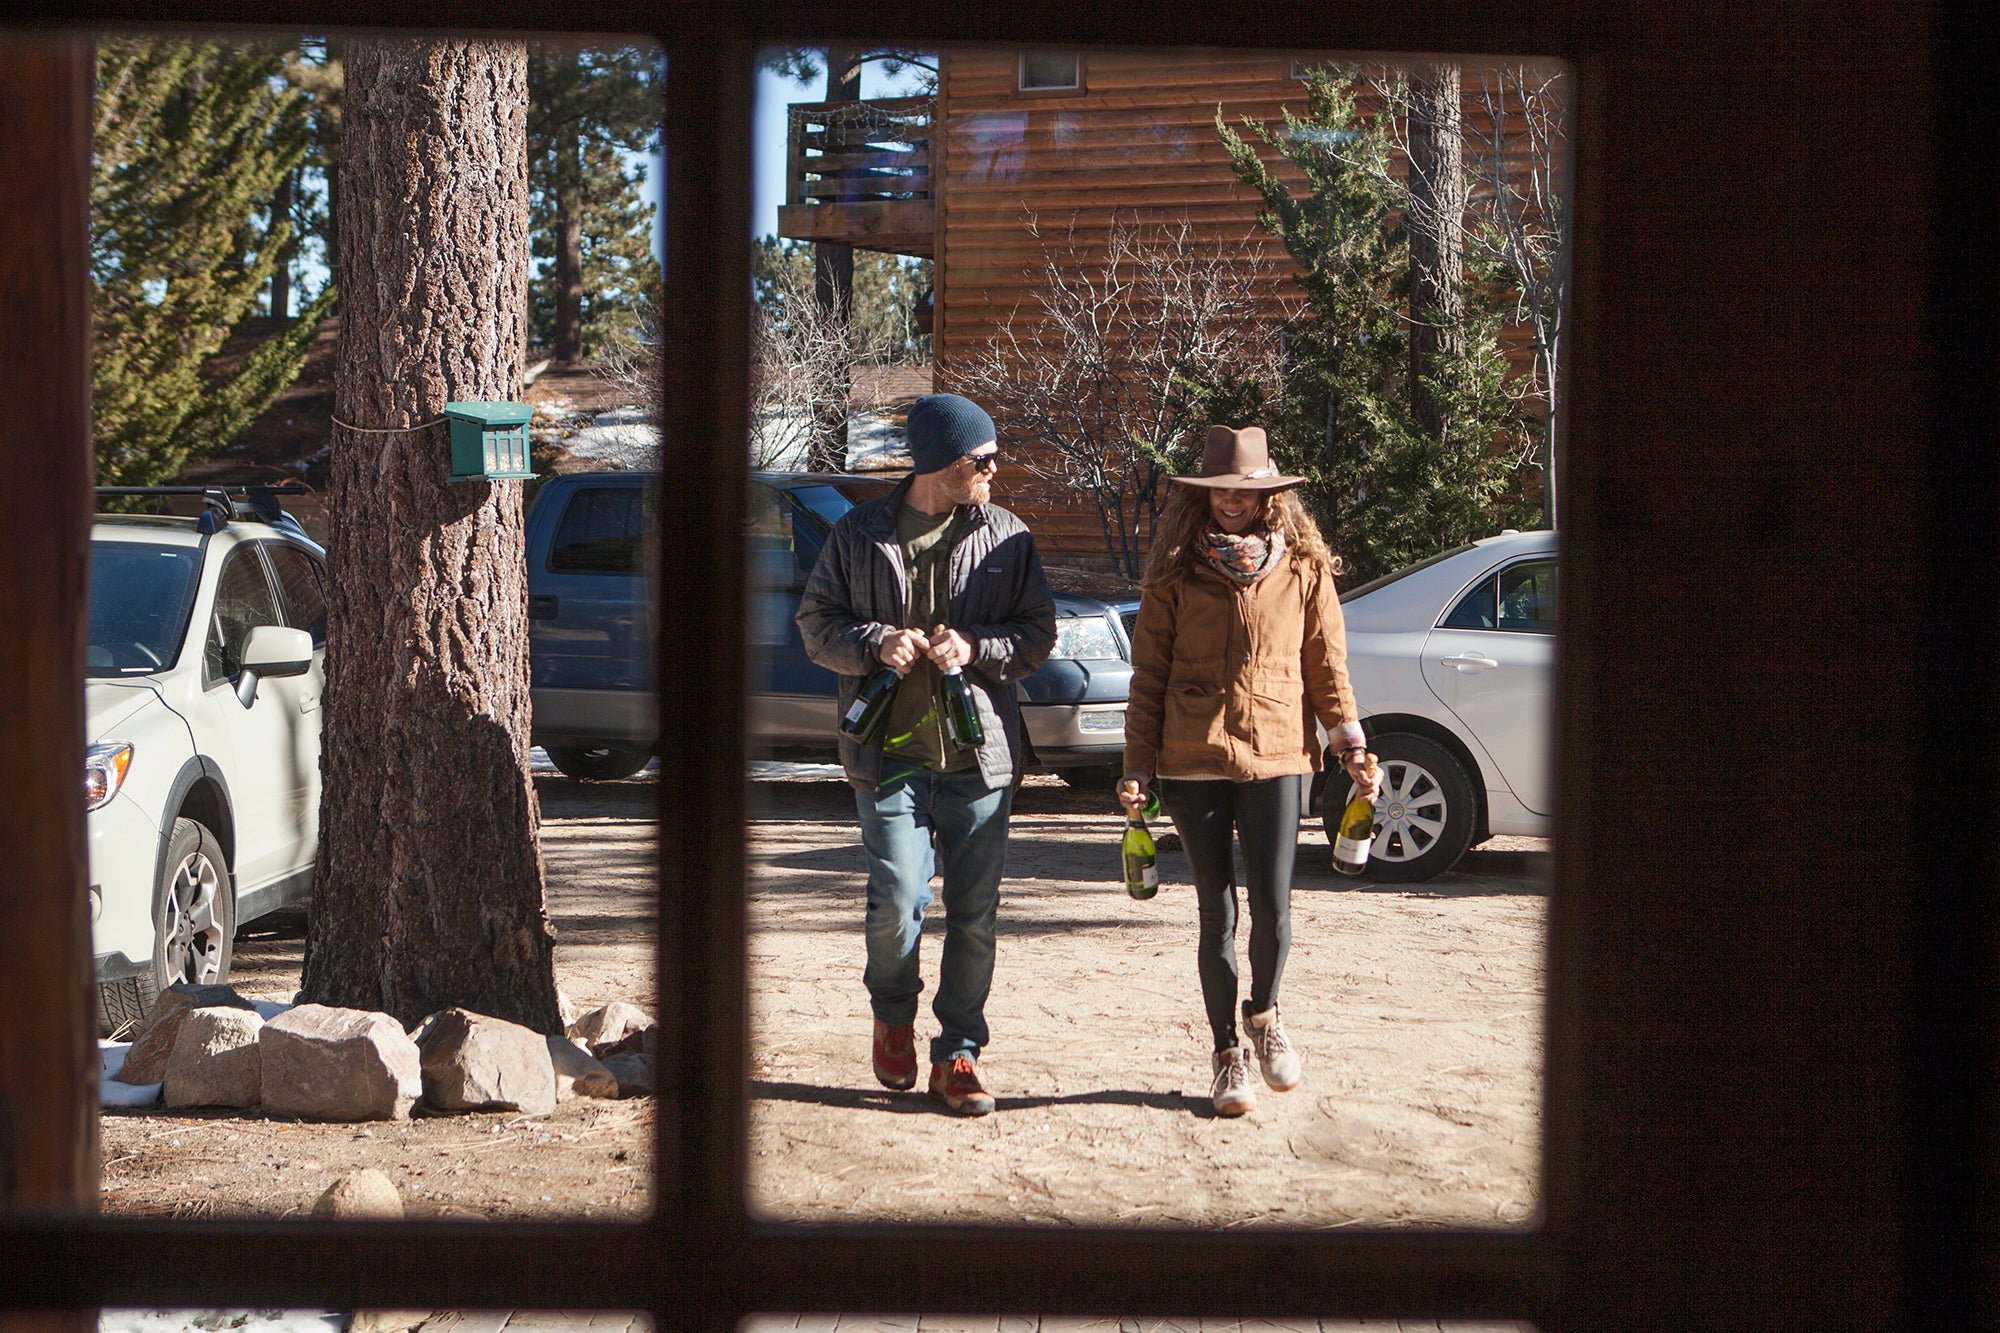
(569,245)
(281,276)
(429,889)
(833,288)
(1437,251)
(48,1057)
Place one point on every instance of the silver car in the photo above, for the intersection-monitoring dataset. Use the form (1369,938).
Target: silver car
(1452,661)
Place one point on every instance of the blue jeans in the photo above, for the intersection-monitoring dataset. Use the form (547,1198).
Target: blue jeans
(970,824)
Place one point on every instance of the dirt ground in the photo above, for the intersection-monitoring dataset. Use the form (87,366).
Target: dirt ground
(1417,1010)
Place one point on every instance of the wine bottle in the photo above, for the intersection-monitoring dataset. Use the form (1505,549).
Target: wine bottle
(1356,833)
(961,713)
(1142,872)
(864,717)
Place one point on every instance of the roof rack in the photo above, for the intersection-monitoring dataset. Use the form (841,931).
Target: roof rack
(221,505)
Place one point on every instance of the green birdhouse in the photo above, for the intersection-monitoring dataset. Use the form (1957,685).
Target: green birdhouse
(489,441)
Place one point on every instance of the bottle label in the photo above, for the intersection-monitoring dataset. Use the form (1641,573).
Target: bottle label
(1150,877)
(854,711)
(1354,851)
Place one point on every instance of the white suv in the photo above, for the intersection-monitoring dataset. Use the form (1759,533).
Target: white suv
(203,680)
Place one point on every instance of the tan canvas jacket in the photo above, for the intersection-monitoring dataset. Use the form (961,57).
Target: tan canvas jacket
(1227,681)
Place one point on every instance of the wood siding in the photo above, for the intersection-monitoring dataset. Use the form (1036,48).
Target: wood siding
(1138,140)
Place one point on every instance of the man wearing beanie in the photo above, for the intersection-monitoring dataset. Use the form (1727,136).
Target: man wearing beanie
(931,578)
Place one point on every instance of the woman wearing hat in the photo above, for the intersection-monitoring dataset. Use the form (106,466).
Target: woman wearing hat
(1239,648)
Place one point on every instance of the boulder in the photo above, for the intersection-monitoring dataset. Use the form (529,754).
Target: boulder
(323,1063)
(364,1193)
(474,1062)
(635,1074)
(216,1060)
(577,1074)
(146,1062)
(602,1027)
(645,1041)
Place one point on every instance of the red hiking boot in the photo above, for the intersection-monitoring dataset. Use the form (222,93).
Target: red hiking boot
(957,1086)
(896,1054)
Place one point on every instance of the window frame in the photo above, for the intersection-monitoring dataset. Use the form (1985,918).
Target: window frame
(1738,1128)
(1022,88)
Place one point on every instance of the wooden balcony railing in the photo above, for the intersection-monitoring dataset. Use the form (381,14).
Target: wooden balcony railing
(859,173)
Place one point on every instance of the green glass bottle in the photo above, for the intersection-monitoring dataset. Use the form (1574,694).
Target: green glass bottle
(865,715)
(1357,832)
(1142,871)
(961,713)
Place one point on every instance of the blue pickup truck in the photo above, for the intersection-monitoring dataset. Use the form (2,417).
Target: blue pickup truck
(592,634)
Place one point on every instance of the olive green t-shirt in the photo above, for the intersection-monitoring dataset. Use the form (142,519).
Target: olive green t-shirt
(915,729)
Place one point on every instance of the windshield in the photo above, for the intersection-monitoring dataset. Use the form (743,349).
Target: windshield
(827,502)
(1402,573)
(139,600)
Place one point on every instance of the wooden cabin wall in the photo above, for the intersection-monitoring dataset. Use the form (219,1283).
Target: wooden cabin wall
(1138,139)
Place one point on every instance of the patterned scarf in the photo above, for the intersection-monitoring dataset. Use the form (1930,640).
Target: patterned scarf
(1244,559)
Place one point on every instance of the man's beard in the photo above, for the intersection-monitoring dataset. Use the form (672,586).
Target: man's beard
(967,492)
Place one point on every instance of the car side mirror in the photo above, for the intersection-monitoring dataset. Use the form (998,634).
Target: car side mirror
(274,651)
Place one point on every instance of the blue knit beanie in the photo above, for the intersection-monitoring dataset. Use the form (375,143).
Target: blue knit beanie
(944,428)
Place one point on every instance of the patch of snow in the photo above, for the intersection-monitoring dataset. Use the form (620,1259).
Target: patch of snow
(779,770)
(110,1092)
(622,416)
(114,1320)
(630,447)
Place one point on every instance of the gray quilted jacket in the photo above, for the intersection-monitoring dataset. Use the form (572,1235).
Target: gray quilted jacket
(999,601)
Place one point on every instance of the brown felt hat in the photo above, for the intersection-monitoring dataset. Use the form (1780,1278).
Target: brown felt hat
(1238,460)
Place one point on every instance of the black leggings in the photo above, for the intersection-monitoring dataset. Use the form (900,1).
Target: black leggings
(1265,815)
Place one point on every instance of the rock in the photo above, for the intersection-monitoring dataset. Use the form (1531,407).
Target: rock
(216,1061)
(339,1064)
(577,1074)
(146,1062)
(386,1321)
(565,1010)
(634,1074)
(646,1041)
(474,1062)
(364,1193)
(601,1027)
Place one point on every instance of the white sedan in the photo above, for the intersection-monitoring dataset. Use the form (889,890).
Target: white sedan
(1452,661)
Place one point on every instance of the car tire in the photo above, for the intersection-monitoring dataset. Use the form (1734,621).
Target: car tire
(1425,816)
(602,763)
(194,911)
(124,1003)
(1091,777)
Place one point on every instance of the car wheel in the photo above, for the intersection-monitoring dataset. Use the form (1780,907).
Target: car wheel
(1424,816)
(602,763)
(194,910)
(1091,777)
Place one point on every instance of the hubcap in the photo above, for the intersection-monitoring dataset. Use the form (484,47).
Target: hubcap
(193,935)
(1409,812)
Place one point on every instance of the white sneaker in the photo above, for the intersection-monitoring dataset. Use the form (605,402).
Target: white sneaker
(1231,1091)
(1275,1056)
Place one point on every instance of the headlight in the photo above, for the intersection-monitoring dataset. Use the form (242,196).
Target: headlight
(104,766)
(1087,637)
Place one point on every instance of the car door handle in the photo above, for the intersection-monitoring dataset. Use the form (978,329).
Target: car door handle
(542,607)
(1469,662)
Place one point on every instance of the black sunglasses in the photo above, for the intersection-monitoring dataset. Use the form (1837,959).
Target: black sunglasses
(984,462)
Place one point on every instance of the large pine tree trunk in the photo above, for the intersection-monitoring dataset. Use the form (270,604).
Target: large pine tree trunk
(833,288)
(569,245)
(429,888)
(281,276)
(1437,251)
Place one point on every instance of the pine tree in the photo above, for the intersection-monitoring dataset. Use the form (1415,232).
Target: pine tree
(588,109)
(1387,490)
(886,288)
(192,142)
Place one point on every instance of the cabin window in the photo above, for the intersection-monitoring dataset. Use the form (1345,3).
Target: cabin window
(1050,71)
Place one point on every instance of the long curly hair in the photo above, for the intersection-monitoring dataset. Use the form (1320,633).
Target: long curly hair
(1176,545)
